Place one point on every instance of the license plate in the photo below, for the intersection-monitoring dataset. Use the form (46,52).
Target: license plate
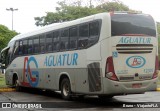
(137,85)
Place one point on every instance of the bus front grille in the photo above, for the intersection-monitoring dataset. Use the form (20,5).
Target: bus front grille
(134,48)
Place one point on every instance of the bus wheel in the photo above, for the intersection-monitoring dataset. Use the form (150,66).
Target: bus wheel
(17,86)
(66,89)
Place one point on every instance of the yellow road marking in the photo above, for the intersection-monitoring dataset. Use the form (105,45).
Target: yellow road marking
(7,89)
(158,89)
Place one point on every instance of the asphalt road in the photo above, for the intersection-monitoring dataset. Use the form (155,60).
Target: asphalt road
(54,102)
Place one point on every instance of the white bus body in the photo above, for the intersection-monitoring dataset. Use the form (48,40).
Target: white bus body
(120,58)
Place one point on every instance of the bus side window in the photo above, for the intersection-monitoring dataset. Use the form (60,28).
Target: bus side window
(20,52)
(83,36)
(93,32)
(30,46)
(36,45)
(16,49)
(10,53)
(42,43)
(56,41)
(73,33)
(49,40)
(25,46)
(64,39)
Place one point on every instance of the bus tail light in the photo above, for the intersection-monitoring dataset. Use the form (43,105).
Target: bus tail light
(109,71)
(155,74)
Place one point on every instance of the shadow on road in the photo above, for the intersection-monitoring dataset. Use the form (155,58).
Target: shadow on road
(76,102)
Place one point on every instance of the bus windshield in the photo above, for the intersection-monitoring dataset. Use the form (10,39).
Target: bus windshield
(132,24)
(4,56)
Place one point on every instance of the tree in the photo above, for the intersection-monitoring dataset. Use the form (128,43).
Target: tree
(73,11)
(113,6)
(5,36)
(158,29)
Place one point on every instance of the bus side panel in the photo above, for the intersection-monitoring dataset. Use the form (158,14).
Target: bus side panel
(31,75)
(81,75)
(105,53)
(12,69)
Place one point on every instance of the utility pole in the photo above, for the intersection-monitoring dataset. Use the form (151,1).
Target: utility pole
(11,9)
(90,3)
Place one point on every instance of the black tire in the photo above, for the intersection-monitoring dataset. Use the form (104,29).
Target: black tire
(17,86)
(66,89)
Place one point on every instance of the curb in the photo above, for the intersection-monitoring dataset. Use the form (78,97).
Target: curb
(7,89)
(158,89)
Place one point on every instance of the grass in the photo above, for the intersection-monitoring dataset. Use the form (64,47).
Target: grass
(3,86)
(2,81)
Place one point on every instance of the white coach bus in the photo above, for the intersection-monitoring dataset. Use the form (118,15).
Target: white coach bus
(104,54)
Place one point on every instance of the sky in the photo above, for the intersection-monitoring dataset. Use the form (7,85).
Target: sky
(23,19)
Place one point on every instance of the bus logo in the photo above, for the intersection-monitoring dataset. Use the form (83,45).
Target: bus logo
(135,61)
(31,75)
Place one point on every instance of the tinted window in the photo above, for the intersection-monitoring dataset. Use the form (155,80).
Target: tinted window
(83,30)
(30,46)
(49,42)
(10,53)
(64,33)
(25,43)
(20,48)
(36,45)
(83,36)
(42,43)
(56,41)
(123,24)
(16,49)
(64,39)
(73,32)
(94,28)
(73,37)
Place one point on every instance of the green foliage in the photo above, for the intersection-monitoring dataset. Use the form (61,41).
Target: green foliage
(158,28)
(113,6)
(5,36)
(70,12)
(2,81)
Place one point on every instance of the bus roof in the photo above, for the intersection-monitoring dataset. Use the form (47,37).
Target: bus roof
(56,26)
